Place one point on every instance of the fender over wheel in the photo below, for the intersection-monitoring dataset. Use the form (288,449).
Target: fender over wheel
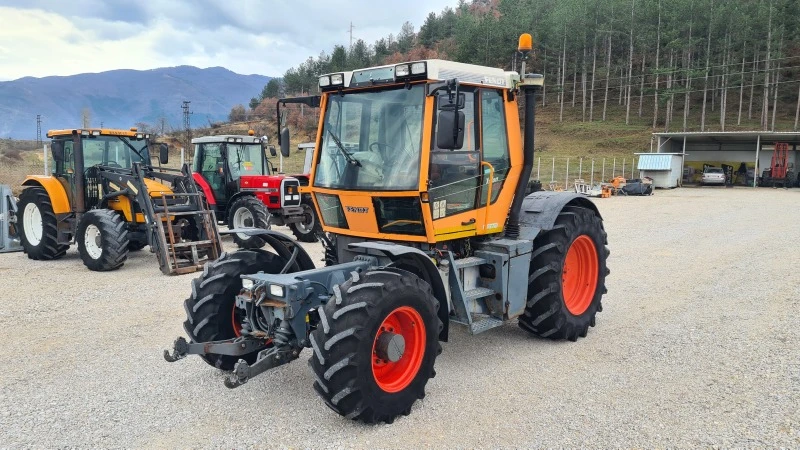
(566,280)
(375,345)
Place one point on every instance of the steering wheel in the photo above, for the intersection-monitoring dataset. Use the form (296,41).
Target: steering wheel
(113,164)
(379,144)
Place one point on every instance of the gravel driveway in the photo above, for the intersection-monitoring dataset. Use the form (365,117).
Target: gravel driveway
(698,345)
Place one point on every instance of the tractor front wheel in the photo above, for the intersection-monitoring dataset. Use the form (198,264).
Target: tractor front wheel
(566,281)
(39,225)
(211,312)
(375,345)
(248,212)
(102,240)
(306,231)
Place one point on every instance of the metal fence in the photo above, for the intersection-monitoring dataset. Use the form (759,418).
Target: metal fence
(559,173)
(555,173)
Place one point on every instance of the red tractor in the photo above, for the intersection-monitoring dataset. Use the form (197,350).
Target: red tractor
(244,189)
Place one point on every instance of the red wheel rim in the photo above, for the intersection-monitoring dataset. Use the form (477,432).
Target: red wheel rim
(237,323)
(396,376)
(579,276)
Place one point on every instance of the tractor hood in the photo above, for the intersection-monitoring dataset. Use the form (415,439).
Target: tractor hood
(260,181)
(156,189)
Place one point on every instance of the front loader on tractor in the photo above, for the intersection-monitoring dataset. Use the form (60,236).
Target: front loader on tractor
(419,176)
(105,195)
(242,186)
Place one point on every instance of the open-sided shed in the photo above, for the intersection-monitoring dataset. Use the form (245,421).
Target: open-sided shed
(743,154)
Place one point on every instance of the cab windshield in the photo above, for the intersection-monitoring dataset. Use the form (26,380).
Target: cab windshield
(114,151)
(247,159)
(372,140)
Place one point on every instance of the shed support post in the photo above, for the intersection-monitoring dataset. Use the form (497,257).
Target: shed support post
(683,163)
(758,150)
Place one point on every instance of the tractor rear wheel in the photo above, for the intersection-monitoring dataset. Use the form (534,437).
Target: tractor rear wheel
(211,312)
(375,345)
(102,240)
(39,225)
(566,281)
(248,212)
(306,231)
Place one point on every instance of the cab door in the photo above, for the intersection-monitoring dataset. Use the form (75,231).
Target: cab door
(212,168)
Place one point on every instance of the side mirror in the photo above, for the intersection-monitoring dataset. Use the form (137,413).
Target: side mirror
(272,151)
(163,153)
(274,169)
(450,130)
(285,142)
(57,149)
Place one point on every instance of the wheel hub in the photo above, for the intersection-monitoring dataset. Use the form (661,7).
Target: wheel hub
(390,346)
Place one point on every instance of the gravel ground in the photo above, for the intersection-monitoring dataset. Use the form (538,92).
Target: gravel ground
(697,346)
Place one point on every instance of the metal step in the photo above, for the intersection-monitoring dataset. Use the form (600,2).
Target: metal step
(484,323)
(469,262)
(481,292)
(195,243)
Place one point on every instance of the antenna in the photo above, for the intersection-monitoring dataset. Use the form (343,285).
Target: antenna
(351,35)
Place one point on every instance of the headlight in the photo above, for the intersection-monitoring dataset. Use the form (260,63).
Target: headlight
(276,290)
(337,79)
(247,284)
(401,70)
(324,81)
(418,68)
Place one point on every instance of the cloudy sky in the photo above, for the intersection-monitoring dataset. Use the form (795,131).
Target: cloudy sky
(64,37)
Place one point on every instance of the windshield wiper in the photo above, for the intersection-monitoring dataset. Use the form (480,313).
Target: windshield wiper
(347,155)
(134,149)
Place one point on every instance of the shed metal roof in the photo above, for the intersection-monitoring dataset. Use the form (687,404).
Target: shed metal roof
(734,136)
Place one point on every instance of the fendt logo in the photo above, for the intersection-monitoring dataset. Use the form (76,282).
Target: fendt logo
(357,209)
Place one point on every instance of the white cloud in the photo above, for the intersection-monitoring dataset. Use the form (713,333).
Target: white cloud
(253,36)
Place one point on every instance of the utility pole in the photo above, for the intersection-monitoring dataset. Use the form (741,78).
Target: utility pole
(101,124)
(187,124)
(351,35)
(38,130)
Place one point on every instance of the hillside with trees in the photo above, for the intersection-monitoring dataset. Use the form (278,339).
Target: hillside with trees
(663,65)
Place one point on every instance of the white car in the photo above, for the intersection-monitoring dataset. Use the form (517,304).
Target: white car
(713,175)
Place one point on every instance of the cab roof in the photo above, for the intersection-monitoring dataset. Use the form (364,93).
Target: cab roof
(435,69)
(220,138)
(133,132)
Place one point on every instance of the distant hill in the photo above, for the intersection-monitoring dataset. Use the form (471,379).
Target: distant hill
(121,98)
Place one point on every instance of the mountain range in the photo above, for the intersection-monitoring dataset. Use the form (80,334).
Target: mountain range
(122,98)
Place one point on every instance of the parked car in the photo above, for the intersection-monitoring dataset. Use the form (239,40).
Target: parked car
(713,175)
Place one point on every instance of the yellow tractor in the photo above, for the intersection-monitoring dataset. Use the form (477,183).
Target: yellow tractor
(105,195)
(419,176)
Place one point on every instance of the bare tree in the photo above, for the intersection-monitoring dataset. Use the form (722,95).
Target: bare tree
(752,84)
(765,107)
(563,74)
(687,96)
(658,55)
(641,86)
(708,62)
(608,74)
(594,69)
(670,75)
(741,93)
(630,68)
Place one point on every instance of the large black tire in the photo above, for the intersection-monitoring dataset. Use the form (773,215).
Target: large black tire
(344,341)
(556,308)
(211,309)
(35,201)
(135,246)
(106,245)
(258,218)
(307,231)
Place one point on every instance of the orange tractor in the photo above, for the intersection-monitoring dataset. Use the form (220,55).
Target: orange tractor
(419,176)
